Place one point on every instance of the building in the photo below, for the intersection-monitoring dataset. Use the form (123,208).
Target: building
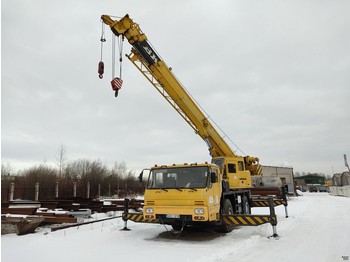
(342,179)
(311,179)
(274,176)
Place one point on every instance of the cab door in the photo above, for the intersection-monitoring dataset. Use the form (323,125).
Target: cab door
(214,194)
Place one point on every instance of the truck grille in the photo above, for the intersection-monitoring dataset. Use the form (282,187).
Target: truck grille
(150,203)
(199,203)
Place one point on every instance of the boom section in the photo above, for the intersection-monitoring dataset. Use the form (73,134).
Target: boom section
(150,64)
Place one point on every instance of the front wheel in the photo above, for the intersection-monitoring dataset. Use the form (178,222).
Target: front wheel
(227,210)
(246,210)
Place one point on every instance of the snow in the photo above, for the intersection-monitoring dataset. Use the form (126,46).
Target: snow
(317,229)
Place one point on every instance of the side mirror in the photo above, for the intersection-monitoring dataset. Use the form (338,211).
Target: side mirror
(140,176)
(213,177)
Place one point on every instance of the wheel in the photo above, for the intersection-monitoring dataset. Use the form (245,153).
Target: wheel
(245,206)
(227,210)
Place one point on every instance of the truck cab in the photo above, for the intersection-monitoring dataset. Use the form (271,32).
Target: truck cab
(183,194)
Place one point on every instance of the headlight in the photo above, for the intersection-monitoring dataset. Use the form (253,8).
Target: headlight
(199,211)
(149,210)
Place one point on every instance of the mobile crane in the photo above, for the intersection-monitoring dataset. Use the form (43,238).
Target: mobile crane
(189,194)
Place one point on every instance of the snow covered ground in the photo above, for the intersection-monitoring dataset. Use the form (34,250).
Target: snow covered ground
(318,229)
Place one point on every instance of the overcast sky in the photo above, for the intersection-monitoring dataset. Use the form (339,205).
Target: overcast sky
(274,75)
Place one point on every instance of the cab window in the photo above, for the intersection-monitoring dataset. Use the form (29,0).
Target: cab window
(240,166)
(231,168)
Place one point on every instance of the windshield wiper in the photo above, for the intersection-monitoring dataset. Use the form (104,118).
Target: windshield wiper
(192,188)
(178,189)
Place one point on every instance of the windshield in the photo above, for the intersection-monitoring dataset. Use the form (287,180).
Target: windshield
(182,177)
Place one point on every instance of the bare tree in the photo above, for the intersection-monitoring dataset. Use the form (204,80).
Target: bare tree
(103,181)
(61,159)
(6,169)
(119,169)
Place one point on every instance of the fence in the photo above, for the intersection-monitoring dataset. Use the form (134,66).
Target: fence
(10,192)
(340,191)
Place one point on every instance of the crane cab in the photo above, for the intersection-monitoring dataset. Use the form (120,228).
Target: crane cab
(234,172)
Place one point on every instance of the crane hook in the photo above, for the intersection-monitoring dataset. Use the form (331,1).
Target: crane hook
(101,66)
(101,69)
(116,85)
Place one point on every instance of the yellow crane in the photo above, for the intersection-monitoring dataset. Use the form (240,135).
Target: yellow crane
(188,194)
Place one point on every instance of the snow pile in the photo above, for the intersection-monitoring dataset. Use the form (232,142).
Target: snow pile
(340,191)
(317,230)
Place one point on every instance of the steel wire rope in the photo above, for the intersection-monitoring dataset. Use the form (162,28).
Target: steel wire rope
(102,40)
(114,16)
(113,55)
(120,47)
(207,115)
(168,231)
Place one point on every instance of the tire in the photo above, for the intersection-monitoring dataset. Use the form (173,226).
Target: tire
(227,210)
(246,210)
